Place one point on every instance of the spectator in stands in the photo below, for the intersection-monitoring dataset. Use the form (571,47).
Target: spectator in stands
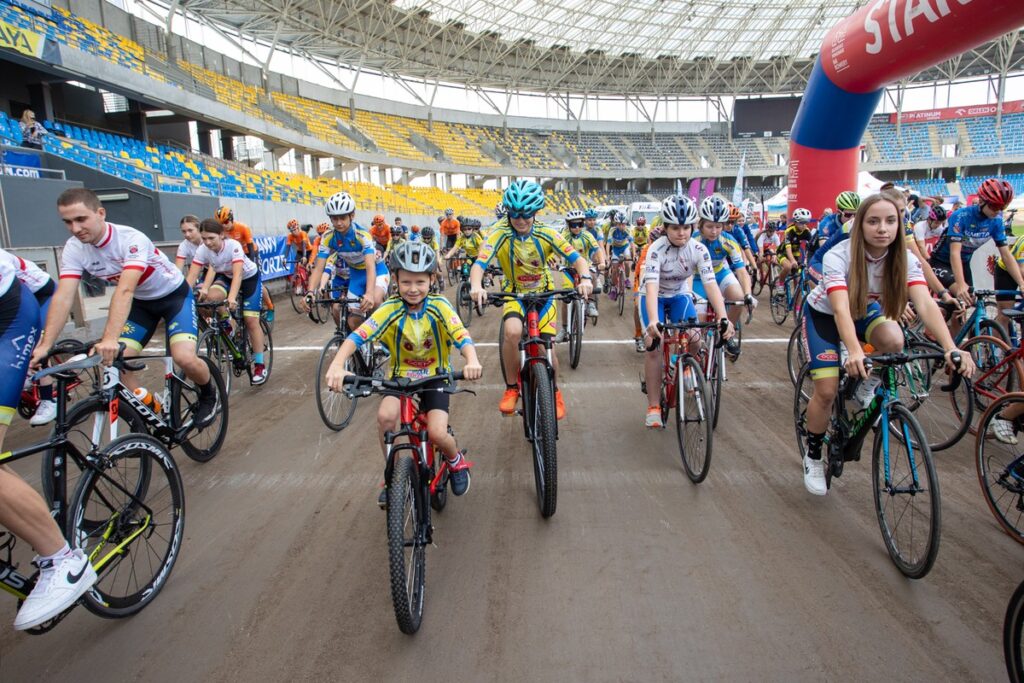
(32,131)
(450,227)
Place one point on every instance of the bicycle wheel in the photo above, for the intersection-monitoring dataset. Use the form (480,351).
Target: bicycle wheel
(295,293)
(796,354)
(693,428)
(268,347)
(779,307)
(464,303)
(88,429)
(211,346)
(757,284)
(575,332)
(1013,627)
(335,407)
(997,375)
(944,418)
(715,378)
(803,390)
(991,327)
(501,351)
(621,298)
(407,545)
(200,443)
(907,498)
(545,455)
(132,542)
(1001,469)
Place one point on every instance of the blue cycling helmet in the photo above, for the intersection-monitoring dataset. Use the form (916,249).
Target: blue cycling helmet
(524,197)
(678,209)
(590,213)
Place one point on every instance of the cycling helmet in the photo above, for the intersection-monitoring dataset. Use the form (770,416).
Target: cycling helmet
(618,217)
(449,212)
(679,209)
(340,204)
(499,210)
(641,221)
(377,220)
(996,193)
(573,215)
(847,201)
(415,228)
(396,230)
(428,233)
(714,209)
(322,228)
(590,213)
(414,257)
(734,213)
(937,213)
(524,198)
(293,224)
(224,215)
(801,216)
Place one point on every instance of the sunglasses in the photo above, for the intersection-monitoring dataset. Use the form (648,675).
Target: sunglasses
(848,214)
(575,224)
(521,214)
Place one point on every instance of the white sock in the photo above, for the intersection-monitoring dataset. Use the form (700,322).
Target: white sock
(456,461)
(63,552)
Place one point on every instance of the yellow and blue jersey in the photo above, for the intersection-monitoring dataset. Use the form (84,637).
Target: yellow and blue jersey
(619,240)
(419,341)
(523,258)
(724,252)
(470,244)
(1018,253)
(584,243)
(352,246)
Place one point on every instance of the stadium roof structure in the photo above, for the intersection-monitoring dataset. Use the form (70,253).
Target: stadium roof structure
(649,48)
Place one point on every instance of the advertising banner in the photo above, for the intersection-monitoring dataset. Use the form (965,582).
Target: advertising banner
(273,261)
(26,42)
(1015,107)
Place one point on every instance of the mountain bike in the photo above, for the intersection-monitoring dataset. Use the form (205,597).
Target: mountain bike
(414,484)
(336,408)
(575,321)
(127,512)
(536,382)
(463,301)
(904,480)
(228,345)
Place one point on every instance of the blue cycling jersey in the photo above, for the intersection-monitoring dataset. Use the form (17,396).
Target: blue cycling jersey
(971,228)
(829,225)
(838,235)
(737,235)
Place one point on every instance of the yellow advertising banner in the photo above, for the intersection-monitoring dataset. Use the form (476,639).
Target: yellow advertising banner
(26,42)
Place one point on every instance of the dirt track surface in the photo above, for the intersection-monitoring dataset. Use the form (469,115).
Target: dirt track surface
(639,576)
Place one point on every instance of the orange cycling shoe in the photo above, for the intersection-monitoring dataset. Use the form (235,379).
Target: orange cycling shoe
(559,404)
(509,400)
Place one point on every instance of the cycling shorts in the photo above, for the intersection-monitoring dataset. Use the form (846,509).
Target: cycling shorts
(19,332)
(821,337)
(177,310)
(725,278)
(516,309)
(1005,281)
(944,271)
(671,309)
(43,297)
(449,244)
(357,280)
(432,399)
(251,292)
(619,253)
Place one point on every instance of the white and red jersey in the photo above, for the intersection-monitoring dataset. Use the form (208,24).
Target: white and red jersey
(30,275)
(7,276)
(223,261)
(186,252)
(671,267)
(835,269)
(122,248)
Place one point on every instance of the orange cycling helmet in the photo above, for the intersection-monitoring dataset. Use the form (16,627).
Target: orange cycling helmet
(378,220)
(293,224)
(734,214)
(415,228)
(322,228)
(224,215)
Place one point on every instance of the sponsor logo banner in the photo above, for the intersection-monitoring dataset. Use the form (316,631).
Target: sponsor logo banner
(1015,107)
(18,39)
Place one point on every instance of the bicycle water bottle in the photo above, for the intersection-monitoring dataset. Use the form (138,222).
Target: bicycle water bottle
(148,399)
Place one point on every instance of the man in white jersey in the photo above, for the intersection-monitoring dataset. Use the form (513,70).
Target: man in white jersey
(148,289)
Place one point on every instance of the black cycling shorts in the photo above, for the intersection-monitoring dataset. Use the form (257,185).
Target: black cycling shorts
(433,397)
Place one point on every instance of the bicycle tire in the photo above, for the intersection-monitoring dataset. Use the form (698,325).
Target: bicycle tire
(268,348)
(82,413)
(200,444)
(1013,627)
(757,284)
(464,303)
(335,407)
(407,548)
(997,466)
(621,300)
(777,305)
(576,332)
(718,375)
(211,346)
(693,428)
(913,564)
(944,420)
(293,295)
(993,328)
(796,355)
(99,497)
(994,377)
(803,389)
(501,350)
(545,448)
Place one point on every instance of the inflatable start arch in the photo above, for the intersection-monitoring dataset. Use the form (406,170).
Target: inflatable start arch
(881,43)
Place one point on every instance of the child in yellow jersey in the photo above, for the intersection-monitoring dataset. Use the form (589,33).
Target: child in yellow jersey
(418,329)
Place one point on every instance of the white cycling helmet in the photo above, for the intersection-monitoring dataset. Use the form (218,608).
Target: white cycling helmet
(679,209)
(801,216)
(340,204)
(714,209)
(574,215)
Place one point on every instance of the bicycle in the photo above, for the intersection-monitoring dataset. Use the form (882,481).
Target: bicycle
(463,301)
(575,321)
(900,481)
(684,388)
(536,382)
(1013,627)
(712,360)
(1000,469)
(336,408)
(30,397)
(765,275)
(414,485)
(127,510)
(298,284)
(227,343)
(790,298)
(618,283)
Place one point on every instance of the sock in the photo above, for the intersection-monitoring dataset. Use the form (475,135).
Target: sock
(63,552)
(206,389)
(511,386)
(257,358)
(45,392)
(456,461)
(814,442)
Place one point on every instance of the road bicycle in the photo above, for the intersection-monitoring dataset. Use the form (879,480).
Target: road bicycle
(904,480)
(227,343)
(1000,467)
(298,284)
(712,361)
(685,389)
(618,283)
(336,408)
(30,397)
(414,482)
(1013,627)
(765,275)
(127,512)
(789,298)
(536,381)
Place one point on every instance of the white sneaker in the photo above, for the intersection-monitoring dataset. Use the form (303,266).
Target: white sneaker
(560,336)
(61,583)
(46,412)
(814,476)
(591,310)
(1003,431)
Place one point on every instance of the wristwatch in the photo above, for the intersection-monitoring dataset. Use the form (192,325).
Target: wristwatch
(586,277)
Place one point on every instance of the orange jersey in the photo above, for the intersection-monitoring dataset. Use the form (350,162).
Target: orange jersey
(381,234)
(299,240)
(241,233)
(639,269)
(449,227)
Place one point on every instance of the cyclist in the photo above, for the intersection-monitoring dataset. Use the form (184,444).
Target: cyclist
(230,274)
(669,266)
(619,245)
(64,574)
(522,246)
(241,233)
(928,231)
(380,231)
(450,228)
(148,289)
(192,240)
(428,237)
(397,237)
(470,240)
(1004,281)
(585,244)
(832,224)
(726,261)
(414,233)
(734,231)
(418,329)
(368,278)
(590,223)
(768,241)
(398,224)
(657,230)
(746,223)
(298,240)
(866,282)
(640,233)
(320,230)
(795,243)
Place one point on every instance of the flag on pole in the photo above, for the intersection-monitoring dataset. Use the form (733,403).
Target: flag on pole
(695,189)
(737,192)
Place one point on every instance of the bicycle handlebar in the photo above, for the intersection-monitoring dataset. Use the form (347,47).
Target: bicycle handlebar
(690,324)
(364,386)
(901,358)
(498,298)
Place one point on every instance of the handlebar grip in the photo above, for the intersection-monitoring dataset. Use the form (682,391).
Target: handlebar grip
(956,378)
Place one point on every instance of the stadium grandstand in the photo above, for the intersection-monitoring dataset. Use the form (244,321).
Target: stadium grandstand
(166,115)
